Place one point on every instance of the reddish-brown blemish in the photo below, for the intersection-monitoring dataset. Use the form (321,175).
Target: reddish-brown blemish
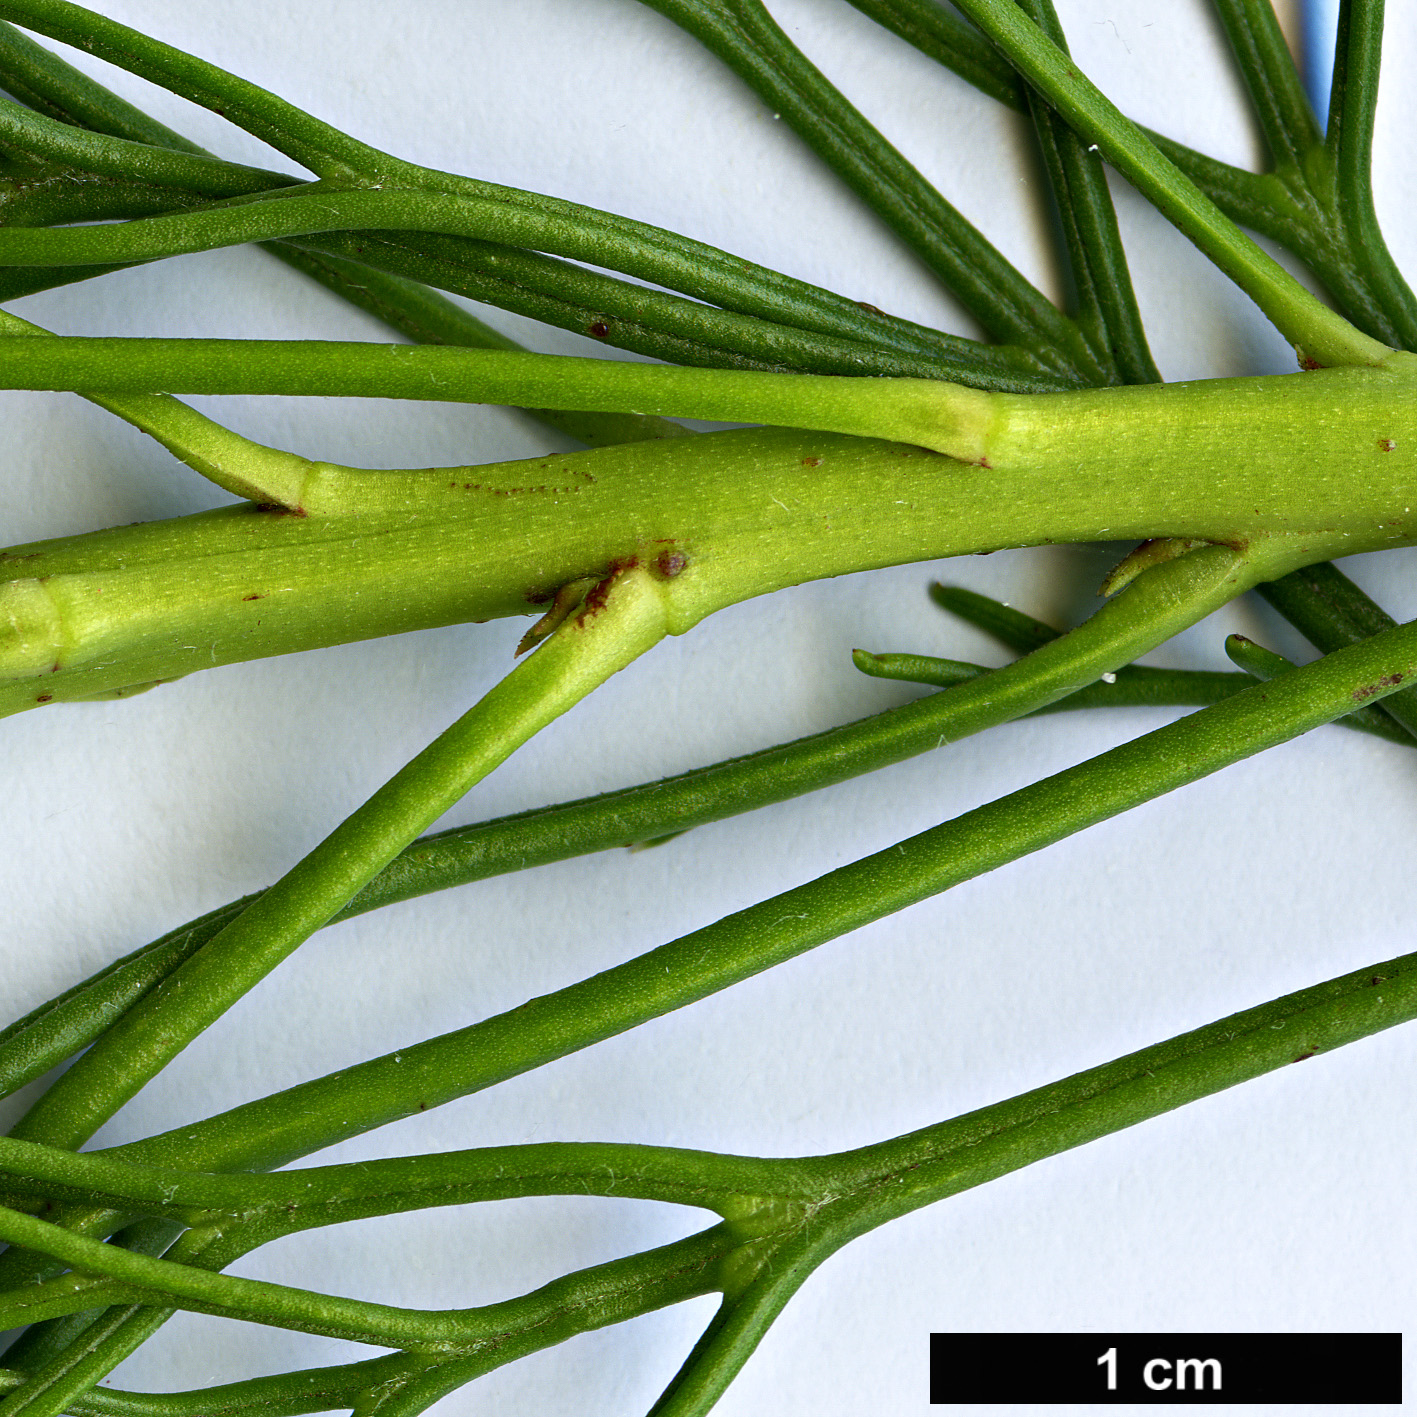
(869,309)
(1387,445)
(1302,1056)
(255,595)
(1367,691)
(811,462)
(43,698)
(526,491)
(600,329)
(671,563)
(276,510)
(595,601)
(985,463)
(1309,364)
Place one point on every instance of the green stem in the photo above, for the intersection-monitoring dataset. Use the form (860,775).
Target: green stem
(233,463)
(981,1145)
(1297,210)
(736,329)
(267,1207)
(791,322)
(41,80)
(1257,661)
(139,1279)
(876,1184)
(1133,686)
(52,1386)
(1012,628)
(311,211)
(1319,334)
(54,1031)
(1204,419)
(281,1395)
(946,417)
(1265,665)
(1107,312)
(1353,102)
(426,317)
(186,174)
(1349,147)
(746,511)
(315,145)
(464,1344)
(744,36)
(1331,612)
(275,1130)
(837,1197)
(948,40)
(1276,91)
(271,476)
(621,619)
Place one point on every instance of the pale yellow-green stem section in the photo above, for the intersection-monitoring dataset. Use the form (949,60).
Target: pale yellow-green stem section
(1318,464)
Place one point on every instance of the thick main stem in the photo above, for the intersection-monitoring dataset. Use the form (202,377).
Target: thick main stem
(1328,460)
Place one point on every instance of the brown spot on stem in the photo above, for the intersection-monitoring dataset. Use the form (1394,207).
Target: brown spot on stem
(1307,363)
(671,563)
(811,462)
(595,601)
(1302,1056)
(255,595)
(585,479)
(870,309)
(600,329)
(1387,445)
(1366,691)
(43,698)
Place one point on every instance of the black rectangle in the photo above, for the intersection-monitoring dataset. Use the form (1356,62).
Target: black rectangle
(1166,1367)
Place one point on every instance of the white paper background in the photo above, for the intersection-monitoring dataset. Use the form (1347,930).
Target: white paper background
(1284,1205)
